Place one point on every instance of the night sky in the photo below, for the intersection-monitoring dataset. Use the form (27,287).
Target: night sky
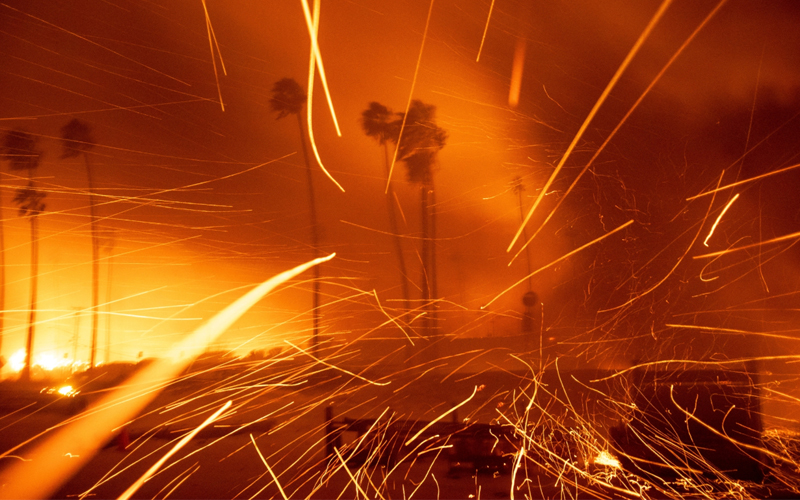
(203,203)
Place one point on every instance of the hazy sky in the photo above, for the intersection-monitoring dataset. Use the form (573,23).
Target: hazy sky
(205,201)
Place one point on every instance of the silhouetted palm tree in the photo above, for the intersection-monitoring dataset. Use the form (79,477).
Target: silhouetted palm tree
(288,98)
(419,144)
(20,150)
(77,141)
(380,123)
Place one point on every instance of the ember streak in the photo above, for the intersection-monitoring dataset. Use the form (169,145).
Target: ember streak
(432,249)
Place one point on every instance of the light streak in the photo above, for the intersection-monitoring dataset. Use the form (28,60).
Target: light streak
(573,252)
(93,426)
(516,72)
(310,93)
(778,239)
(485,29)
(738,443)
(410,96)
(394,321)
(316,55)
(152,470)
(683,256)
(211,36)
(274,478)
(591,115)
(352,478)
(622,121)
(705,242)
(448,412)
(322,361)
(59,28)
(744,181)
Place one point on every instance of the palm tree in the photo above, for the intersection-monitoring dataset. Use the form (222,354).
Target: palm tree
(420,142)
(379,122)
(288,98)
(77,140)
(20,149)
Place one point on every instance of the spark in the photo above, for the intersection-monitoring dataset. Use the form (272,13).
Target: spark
(591,115)
(211,36)
(352,478)
(485,29)
(621,122)
(152,470)
(573,252)
(705,242)
(744,181)
(672,270)
(59,28)
(778,239)
(313,30)
(274,478)
(322,361)
(448,412)
(410,96)
(310,94)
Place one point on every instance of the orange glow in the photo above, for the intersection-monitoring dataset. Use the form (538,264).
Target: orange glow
(517,71)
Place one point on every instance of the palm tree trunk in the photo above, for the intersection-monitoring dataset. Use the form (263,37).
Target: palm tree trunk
(425,282)
(95,260)
(314,237)
(525,238)
(26,371)
(109,267)
(432,249)
(2,274)
(398,242)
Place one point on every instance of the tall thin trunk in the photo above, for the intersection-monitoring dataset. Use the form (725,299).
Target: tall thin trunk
(425,281)
(95,260)
(109,267)
(314,236)
(2,272)
(525,238)
(26,371)
(398,242)
(432,249)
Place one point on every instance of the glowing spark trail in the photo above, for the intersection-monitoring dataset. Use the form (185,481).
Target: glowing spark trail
(705,242)
(516,72)
(152,470)
(410,96)
(785,237)
(313,28)
(525,279)
(211,37)
(310,95)
(483,38)
(322,361)
(621,122)
(744,181)
(280,488)
(448,412)
(87,433)
(591,115)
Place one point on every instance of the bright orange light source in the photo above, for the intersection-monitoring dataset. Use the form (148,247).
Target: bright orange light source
(607,459)
(66,390)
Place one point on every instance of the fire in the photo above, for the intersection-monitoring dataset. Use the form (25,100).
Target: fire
(45,361)
(607,459)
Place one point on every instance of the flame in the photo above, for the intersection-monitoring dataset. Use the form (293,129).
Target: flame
(607,459)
